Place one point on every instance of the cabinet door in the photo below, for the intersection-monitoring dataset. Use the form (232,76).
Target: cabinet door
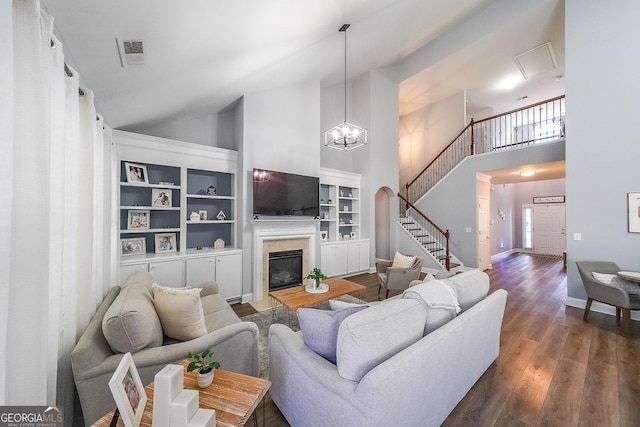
(333,259)
(168,273)
(364,255)
(358,256)
(200,270)
(127,270)
(229,275)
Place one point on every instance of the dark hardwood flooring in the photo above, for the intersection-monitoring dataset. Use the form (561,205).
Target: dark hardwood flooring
(554,369)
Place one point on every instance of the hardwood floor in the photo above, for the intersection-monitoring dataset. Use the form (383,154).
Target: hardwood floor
(554,369)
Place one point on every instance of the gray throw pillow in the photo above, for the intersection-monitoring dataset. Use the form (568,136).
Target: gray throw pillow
(320,328)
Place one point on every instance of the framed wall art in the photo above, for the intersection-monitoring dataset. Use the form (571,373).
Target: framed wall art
(136,173)
(549,199)
(128,392)
(133,246)
(633,212)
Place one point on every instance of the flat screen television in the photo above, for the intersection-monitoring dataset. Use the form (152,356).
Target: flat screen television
(285,194)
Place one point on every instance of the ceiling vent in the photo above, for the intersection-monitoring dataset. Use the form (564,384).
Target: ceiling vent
(131,52)
(536,61)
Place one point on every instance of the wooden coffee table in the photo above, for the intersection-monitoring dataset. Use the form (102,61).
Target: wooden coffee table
(233,396)
(297,296)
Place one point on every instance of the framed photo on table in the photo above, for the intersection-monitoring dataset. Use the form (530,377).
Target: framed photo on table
(138,220)
(136,173)
(633,212)
(128,392)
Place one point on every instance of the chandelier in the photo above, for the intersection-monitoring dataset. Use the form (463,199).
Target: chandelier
(345,136)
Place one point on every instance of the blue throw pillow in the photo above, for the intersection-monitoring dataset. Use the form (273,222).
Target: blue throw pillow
(320,328)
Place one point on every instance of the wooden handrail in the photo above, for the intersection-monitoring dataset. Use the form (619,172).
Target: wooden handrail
(446,234)
(408,184)
(521,108)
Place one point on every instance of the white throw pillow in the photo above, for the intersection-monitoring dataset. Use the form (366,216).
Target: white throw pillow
(439,300)
(402,261)
(180,312)
(614,280)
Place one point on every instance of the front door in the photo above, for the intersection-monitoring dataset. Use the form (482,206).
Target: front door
(549,229)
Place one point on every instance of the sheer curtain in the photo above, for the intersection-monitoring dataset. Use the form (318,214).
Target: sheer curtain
(54,263)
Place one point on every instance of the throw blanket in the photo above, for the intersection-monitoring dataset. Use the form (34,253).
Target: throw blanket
(439,300)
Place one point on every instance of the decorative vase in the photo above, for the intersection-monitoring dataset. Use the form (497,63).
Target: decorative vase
(314,284)
(205,379)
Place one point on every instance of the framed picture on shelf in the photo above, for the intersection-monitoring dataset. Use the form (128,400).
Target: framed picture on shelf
(203,215)
(138,220)
(165,243)
(633,212)
(136,173)
(133,246)
(128,392)
(353,234)
(323,236)
(161,197)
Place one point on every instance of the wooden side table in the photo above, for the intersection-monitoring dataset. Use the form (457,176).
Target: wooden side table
(234,397)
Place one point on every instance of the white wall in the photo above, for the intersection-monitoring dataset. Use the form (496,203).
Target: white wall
(425,132)
(280,132)
(502,227)
(198,128)
(602,88)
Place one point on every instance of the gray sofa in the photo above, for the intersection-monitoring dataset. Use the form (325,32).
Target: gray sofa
(417,384)
(234,343)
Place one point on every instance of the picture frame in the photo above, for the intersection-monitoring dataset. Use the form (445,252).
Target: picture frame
(138,219)
(165,243)
(633,212)
(352,235)
(203,215)
(136,172)
(161,197)
(133,246)
(549,199)
(324,235)
(128,392)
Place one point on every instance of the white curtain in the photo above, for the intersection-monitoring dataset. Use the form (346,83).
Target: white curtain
(55,218)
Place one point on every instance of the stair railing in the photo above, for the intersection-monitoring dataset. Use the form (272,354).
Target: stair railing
(441,237)
(533,124)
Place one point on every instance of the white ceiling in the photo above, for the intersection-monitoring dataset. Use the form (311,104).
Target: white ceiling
(202,55)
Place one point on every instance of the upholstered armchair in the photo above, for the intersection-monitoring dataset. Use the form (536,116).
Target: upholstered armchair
(390,277)
(625,296)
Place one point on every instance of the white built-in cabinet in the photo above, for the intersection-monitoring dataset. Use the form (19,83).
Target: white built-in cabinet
(155,228)
(343,249)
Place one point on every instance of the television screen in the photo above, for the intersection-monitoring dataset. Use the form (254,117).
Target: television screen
(285,194)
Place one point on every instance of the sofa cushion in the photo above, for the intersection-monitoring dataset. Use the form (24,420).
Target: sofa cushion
(217,312)
(402,261)
(320,328)
(131,322)
(439,301)
(471,286)
(180,312)
(370,337)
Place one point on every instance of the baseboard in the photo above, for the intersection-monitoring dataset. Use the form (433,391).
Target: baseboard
(501,255)
(597,307)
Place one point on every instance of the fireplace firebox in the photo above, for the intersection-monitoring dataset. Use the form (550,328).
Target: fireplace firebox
(285,269)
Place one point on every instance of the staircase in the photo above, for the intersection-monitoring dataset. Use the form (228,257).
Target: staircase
(433,247)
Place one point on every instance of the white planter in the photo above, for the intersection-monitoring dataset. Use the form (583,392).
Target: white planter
(205,380)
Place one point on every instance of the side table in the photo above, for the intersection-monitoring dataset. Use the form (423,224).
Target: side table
(233,396)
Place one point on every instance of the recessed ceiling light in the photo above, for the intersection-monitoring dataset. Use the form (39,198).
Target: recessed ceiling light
(528,173)
(509,82)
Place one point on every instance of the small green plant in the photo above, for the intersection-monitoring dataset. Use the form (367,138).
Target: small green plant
(202,362)
(316,275)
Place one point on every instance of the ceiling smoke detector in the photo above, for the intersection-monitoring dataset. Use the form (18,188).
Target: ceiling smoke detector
(131,52)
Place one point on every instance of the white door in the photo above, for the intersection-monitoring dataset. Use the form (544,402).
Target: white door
(549,229)
(484,252)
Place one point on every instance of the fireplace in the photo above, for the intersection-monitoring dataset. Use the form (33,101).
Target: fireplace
(285,269)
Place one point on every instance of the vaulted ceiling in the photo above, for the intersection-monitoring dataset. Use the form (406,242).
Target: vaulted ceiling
(202,55)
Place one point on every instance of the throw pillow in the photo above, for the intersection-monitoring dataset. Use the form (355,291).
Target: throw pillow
(444,274)
(614,280)
(320,328)
(439,300)
(131,322)
(180,312)
(402,261)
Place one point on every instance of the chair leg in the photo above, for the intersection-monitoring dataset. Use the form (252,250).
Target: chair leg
(387,295)
(618,315)
(626,318)
(587,308)
(379,287)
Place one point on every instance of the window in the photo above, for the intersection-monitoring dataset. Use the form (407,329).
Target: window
(527,227)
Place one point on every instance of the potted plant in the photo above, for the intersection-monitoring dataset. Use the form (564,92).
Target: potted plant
(205,366)
(316,276)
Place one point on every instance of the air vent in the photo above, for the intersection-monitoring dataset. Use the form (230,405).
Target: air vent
(131,52)
(536,61)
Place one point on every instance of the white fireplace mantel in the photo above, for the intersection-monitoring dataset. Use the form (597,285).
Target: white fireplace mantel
(279,230)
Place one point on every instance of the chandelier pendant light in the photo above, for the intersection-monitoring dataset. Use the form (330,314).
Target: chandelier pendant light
(345,136)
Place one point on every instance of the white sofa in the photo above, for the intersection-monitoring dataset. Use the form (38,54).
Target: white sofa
(418,386)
